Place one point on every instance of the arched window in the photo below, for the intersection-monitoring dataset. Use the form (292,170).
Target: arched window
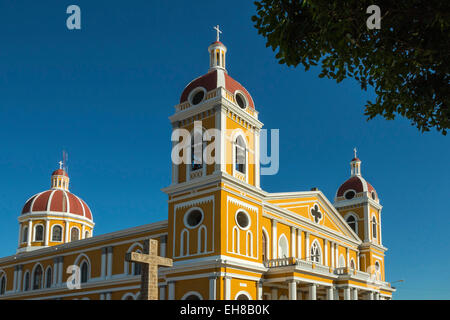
(184,246)
(192,295)
(377,270)
(48,278)
(57,234)
(352,264)
(87,234)
(283,247)
(240,155)
(37,278)
(197,146)
(374,228)
(315,253)
(2,284)
(84,272)
(39,233)
(242,296)
(25,235)
(26,281)
(351,221)
(74,234)
(264,247)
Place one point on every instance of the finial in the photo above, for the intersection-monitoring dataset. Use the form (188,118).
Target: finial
(218,32)
(60,164)
(354,150)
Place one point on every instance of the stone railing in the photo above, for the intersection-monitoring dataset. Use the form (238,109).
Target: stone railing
(282,262)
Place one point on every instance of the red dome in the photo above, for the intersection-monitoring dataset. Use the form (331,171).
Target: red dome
(59,172)
(214,79)
(357,184)
(57,200)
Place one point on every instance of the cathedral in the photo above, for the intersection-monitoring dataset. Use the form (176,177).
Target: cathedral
(228,238)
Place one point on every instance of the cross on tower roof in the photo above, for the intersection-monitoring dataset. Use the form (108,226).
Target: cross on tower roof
(150,262)
(354,150)
(218,32)
(60,164)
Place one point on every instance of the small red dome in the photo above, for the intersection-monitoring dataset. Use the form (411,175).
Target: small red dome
(60,172)
(357,184)
(57,200)
(356,159)
(212,80)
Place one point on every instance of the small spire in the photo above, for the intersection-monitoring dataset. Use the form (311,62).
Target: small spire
(218,32)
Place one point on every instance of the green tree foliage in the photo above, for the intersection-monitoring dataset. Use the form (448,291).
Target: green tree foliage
(406,60)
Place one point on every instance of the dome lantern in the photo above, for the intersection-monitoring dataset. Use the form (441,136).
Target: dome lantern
(355,165)
(217,52)
(60,178)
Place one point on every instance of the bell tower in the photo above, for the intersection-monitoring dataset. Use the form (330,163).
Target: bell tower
(358,202)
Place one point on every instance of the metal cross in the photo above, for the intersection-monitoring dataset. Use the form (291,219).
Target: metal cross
(60,164)
(218,32)
(150,262)
(354,150)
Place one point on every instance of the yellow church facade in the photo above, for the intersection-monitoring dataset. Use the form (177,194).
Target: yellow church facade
(228,238)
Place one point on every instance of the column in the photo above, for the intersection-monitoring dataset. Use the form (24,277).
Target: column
(259,290)
(108,296)
(369,295)
(19,278)
(103,264)
(366,223)
(299,243)
(274,293)
(227,285)
(102,296)
(358,262)
(47,232)
(60,270)
(83,236)
(326,251)
(336,293)
(312,294)
(346,293)
(30,226)
(66,228)
(15,279)
(355,294)
(257,161)
(109,264)
(171,287)
(292,241)
(332,255)
(162,292)
(274,240)
(55,271)
(377,296)
(336,251)
(308,254)
(213,288)
(330,292)
(347,252)
(292,290)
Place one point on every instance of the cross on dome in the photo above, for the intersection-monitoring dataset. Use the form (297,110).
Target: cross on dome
(354,150)
(60,164)
(218,32)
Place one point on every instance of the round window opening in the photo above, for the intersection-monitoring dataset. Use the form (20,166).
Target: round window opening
(198,97)
(242,220)
(193,218)
(350,195)
(373,195)
(240,100)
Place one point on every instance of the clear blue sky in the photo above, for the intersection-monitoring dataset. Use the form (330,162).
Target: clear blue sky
(104,94)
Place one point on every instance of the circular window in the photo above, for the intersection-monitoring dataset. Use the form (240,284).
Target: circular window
(242,220)
(349,194)
(193,218)
(240,100)
(374,197)
(197,95)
